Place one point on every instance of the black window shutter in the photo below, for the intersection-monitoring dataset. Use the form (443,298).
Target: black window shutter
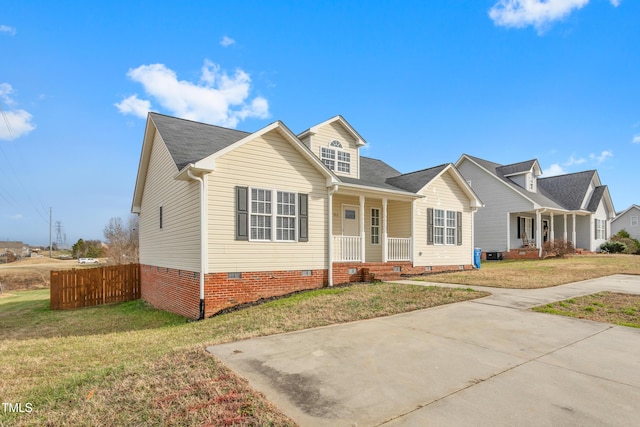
(242,213)
(303,217)
(459,227)
(429,226)
(533,229)
(518,227)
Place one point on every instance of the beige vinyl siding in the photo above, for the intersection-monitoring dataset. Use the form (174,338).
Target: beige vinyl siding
(398,219)
(267,162)
(442,193)
(177,244)
(332,131)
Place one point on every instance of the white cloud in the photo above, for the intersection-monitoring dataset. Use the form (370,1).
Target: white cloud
(14,123)
(599,158)
(16,217)
(553,170)
(636,139)
(573,161)
(219,98)
(539,13)
(7,29)
(134,105)
(227,41)
(615,3)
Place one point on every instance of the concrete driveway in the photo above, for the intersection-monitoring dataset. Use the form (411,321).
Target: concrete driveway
(482,362)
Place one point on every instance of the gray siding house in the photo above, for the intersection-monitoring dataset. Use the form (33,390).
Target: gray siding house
(523,211)
(628,220)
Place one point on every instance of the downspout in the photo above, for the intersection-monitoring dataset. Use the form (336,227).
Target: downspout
(473,235)
(330,192)
(203,238)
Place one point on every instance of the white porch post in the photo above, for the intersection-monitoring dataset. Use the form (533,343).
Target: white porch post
(508,231)
(539,232)
(552,233)
(362,241)
(565,228)
(330,191)
(385,248)
(573,233)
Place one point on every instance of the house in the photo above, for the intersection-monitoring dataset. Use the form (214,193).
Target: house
(523,211)
(627,220)
(228,217)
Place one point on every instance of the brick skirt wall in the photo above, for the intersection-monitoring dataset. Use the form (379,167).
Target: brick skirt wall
(178,291)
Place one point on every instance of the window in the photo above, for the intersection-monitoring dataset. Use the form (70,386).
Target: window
(328,157)
(375,226)
(634,221)
(344,162)
(600,229)
(286,216)
(336,159)
(444,227)
(438,227)
(260,212)
(525,229)
(451,228)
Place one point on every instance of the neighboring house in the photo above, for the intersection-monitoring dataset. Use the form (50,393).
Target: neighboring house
(228,217)
(627,220)
(523,210)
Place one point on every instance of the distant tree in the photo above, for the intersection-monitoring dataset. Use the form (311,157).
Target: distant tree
(122,240)
(87,248)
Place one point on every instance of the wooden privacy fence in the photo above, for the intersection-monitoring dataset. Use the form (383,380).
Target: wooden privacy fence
(94,286)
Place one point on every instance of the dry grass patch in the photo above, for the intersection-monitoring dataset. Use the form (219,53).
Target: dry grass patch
(530,274)
(129,364)
(608,307)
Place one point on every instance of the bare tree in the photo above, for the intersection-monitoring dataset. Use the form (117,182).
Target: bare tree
(122,240)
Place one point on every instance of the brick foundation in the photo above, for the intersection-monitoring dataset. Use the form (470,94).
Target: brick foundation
(522,253)
(178,291)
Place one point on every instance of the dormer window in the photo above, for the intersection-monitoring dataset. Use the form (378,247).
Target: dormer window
(335,158)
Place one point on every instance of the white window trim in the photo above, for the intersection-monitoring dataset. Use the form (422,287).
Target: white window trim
(444,227)
(634,223)
(332,154)
(274,215)
(601,229)
(375,226)
(448,228)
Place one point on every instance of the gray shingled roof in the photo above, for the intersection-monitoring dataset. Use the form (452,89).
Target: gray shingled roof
(569,189)
(373,173)
(190,141)
(376,173)
(515,168)
(542,197)
(414,181)
(596,197)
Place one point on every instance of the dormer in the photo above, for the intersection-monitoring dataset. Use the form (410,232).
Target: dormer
(524,174)
(336,144)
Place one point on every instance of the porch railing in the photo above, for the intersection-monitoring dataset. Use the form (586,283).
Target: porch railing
(347,248)
(399,249)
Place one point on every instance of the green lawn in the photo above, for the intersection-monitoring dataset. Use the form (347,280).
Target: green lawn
(129,364)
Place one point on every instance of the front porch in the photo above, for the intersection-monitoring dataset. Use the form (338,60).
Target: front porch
(350,249)
(371,228)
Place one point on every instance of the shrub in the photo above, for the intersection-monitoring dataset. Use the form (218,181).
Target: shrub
(632,245)
(622,233)
(613,247)
(559,247)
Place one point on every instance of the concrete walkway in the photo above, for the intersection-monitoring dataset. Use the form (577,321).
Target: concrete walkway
(482,362)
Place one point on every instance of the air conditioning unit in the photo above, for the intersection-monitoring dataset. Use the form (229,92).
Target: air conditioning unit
(494,256)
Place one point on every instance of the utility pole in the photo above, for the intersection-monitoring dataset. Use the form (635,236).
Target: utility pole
(50,231)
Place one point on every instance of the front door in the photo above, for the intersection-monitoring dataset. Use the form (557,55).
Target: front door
(350,220)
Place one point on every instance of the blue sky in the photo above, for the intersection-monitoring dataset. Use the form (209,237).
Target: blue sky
(421,81)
